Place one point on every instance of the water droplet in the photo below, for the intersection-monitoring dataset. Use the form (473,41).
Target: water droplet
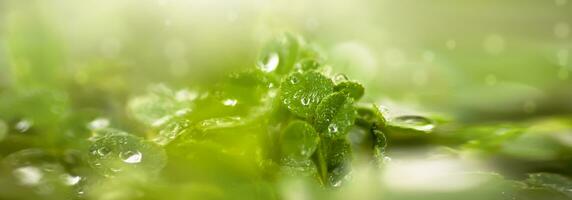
(386,159)
(562,30)
(494,44)
(131,157)
(24,125)
(414,122)
(269,63)
(98,123)
(338,78)
(294,80)
(186,95)
(333,128)
(28,175)
(161,121)
(451,44)
(305,101)
(230,102)
(103,151)
(70,180)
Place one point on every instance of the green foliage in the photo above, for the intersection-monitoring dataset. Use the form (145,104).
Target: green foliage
(302,92)
(245,135)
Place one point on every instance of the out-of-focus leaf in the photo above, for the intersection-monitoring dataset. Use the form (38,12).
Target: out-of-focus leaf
(298,141)
(353,89)
(115,152)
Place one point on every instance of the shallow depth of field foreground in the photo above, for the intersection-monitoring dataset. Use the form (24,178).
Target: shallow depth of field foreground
(285,99)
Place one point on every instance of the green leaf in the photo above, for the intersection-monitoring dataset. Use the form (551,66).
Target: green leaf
(338,157)
(298,141)
(160,102)
(117,151)
(555,182)
(353,89)
(302,92)
(335,115)
(308,64)
(280,55)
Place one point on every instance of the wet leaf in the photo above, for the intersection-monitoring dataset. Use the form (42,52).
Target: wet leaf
(118,151)
(555,182)
(353,89)
(302,92)
(298,141)
(335,115)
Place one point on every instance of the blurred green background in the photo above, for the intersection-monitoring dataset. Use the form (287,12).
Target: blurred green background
(500,70)
(479,59)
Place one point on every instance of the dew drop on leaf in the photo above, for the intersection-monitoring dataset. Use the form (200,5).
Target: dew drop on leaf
(301,92)
(269,63)
(116,151)
(23,125)
(131,157)
(417,123)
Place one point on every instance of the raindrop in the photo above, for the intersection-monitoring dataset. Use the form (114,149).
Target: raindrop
(386,159)
(70,180)
(494,44)
(305,101)
(28,175)
(338,78)
(269,63)
(186,95)
(418,123)
(230,102)
(98,123)
(333,128)
(24,125)
(294,80)
(451,44)
(131,157)
(562,30)
(103,151)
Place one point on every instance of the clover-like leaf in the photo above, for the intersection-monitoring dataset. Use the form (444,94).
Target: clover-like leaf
(353,89)
(154,107)
(116,151)
(280,55)
(298,141)
(338,158)
(302,92)
(335,115)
